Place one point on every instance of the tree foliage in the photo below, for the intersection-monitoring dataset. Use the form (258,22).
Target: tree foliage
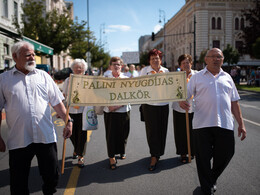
(60,32)
(202,56)
(144,58)
(256,48)
(231,56)
(50,28)
(252,30)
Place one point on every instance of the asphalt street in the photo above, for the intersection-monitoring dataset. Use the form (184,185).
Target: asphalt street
(242,176)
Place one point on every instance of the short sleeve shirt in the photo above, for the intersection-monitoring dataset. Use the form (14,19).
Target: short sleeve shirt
(26,100)
(213,96)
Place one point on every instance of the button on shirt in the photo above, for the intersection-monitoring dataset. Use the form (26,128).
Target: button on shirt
(26,99)
(148,70)
(213,97)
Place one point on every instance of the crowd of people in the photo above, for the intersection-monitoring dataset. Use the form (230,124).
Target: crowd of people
(26,93)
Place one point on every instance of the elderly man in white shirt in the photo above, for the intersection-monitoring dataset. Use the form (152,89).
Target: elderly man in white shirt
(25,94)
(216,99)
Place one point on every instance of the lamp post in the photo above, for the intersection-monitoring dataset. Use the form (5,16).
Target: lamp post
(162,15)
(102,31)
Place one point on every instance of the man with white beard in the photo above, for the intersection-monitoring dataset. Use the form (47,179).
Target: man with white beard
(25,94)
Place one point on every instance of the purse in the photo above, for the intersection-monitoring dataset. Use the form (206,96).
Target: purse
(89,119)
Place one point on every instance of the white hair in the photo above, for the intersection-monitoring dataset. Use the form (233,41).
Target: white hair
(18,45)
(79,61)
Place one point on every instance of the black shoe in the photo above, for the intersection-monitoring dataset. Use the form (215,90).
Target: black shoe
(81,162)
(74,156)
(153,167)
(113,166)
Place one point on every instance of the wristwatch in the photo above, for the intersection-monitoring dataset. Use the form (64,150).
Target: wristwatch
(70,120)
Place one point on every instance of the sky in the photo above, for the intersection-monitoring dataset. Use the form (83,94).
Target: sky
(120,23)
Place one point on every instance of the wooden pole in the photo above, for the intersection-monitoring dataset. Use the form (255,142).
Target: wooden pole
(188,135)
(64,143)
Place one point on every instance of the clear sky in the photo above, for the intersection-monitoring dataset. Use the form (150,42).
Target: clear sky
(122,22)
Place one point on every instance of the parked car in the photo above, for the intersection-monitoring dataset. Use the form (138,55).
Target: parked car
(62,74)
(45,67)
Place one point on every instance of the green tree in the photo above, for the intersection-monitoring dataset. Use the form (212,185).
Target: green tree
(252,31)
(144,58)
(50,28)
(83,41)
(231,56)
(202,56)
(256,48)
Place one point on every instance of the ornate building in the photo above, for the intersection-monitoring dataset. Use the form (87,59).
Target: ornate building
(217,23)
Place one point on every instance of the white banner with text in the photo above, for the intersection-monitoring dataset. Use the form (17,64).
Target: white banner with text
(102,91)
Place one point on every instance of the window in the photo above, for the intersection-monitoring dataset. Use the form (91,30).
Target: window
(216,44)
(213,23)
(5,8)
(219,23)
(6,49)
(236,24)
(242,23)
(16,10)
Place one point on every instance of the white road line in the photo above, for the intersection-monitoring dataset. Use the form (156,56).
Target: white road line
(257,124)
(249,106)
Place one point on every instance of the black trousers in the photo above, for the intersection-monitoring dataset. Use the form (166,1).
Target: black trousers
(78,137)
(156,124)
(117,127)
(180,133)
(20,163)
(213,143)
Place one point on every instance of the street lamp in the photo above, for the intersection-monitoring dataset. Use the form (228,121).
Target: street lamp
(102,31)
(162,15)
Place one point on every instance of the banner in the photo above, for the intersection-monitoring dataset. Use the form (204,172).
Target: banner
(102,91)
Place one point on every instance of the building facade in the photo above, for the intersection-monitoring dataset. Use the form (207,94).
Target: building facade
(215,23)
(8,34)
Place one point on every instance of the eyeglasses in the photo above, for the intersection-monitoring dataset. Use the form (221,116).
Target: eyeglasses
(216,57)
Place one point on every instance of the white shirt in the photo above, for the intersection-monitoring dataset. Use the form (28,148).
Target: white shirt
(148,70)
(176,106)
(73,109)
(213,97)
(26,99)
(133,74)
(125,108)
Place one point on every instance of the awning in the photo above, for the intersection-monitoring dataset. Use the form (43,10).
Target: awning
(39,46)
(244,63)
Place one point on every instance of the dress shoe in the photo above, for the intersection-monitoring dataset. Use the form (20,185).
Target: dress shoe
(153,165)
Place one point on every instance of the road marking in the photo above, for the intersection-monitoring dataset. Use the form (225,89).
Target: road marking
(257,124)
(74,176)
(73,180)
(249,106)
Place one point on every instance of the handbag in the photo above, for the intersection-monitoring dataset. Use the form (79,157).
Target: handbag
(89,119)
(99,110)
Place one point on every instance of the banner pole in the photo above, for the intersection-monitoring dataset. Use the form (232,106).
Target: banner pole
(188,134)
(64,143)
(66,121)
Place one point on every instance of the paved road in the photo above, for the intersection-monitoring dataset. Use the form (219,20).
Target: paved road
(241,177)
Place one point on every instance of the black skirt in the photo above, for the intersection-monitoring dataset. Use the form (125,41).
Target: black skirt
(117,127)
(156,124)
(180,133)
